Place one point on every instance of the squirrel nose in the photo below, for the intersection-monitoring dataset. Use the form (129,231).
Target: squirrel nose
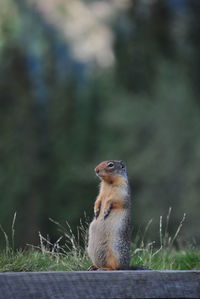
(97,170)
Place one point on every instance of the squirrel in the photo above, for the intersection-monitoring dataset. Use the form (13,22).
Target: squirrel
(110,231)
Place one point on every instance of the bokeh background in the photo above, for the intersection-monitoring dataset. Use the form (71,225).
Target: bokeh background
(86,81)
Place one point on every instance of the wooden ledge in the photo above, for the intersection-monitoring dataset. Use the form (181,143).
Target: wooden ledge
(100,284)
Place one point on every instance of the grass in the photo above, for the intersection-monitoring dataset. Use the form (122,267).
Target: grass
(68,254)
(34,260)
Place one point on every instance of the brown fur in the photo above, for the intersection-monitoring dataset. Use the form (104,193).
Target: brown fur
(112,261)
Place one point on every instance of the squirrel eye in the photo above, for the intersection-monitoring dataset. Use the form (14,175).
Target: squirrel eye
(110,165)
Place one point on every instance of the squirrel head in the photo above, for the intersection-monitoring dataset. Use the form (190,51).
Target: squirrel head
(110,170)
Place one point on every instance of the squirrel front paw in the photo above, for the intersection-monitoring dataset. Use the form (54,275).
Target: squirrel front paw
(97,208)
(96,213)
(107,210)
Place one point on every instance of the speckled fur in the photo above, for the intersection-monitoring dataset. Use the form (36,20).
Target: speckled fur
(109,238)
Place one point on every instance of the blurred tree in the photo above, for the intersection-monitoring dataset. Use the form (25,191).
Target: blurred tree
(58,118)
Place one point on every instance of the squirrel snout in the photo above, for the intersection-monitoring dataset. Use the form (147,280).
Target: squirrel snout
(97,170)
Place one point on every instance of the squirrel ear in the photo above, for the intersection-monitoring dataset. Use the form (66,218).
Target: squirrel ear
(122,164)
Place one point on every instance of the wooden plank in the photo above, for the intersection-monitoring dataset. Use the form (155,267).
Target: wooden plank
(100,284)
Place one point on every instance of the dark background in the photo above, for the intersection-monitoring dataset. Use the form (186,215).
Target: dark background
(86,81)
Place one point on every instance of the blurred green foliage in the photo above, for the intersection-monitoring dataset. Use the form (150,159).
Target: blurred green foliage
(57,121)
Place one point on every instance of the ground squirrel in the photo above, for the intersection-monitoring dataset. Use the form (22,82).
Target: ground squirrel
(109,232)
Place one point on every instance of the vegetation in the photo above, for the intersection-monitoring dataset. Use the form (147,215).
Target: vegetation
(60,116)
(34,260)
(69,252)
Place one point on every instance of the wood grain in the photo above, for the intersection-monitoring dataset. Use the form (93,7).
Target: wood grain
(100,284)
